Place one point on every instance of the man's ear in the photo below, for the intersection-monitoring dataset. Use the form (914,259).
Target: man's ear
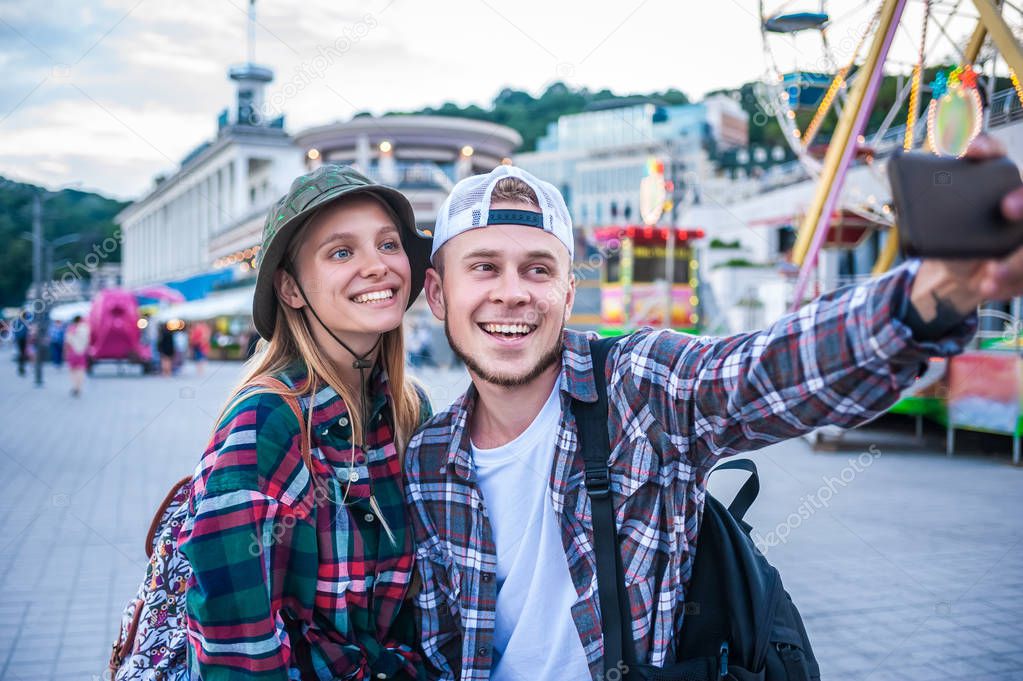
(435,294)
(287,290)
(570,296)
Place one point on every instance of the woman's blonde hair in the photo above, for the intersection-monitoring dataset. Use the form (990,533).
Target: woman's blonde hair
(293,340)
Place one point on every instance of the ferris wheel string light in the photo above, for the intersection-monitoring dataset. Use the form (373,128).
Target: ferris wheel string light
(1016,84)
(837,83)
(914,92)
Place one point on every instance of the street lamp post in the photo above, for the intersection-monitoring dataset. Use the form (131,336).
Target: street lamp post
(42,268)
(674,156)
(37,280)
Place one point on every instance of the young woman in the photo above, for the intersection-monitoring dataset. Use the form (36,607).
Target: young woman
(76,344)
(296,532)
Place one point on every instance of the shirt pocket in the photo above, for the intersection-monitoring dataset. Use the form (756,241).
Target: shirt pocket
(636,461)
(441,577)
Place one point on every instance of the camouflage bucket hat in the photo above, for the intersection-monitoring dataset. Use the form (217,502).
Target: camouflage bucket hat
(309,192)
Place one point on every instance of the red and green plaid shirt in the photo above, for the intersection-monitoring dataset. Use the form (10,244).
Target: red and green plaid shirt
(677,404)
(260,541)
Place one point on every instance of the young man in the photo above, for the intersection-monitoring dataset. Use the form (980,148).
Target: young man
(503,525)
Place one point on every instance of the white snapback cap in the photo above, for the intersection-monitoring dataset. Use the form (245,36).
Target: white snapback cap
(468,207)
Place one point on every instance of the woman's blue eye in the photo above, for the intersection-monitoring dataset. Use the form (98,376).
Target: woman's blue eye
(391,245)
(341,253)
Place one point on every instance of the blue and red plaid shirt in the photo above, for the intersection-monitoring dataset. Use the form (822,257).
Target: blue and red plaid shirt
(262,543)
(677,403)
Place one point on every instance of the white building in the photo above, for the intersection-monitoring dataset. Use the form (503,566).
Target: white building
(422,156)
(598,158)
(203,225)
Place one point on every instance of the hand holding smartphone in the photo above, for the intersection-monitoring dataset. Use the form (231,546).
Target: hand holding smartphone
(950,208)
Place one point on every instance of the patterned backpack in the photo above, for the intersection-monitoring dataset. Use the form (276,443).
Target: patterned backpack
(152,644)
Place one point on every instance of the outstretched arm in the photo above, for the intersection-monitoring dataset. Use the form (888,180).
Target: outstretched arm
(842,360)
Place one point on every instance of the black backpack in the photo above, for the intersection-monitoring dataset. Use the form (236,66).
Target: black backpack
(739,623)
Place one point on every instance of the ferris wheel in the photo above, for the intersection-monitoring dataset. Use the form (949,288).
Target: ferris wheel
(824,65)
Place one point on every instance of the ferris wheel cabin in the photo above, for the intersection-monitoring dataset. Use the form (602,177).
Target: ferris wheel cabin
(795,22)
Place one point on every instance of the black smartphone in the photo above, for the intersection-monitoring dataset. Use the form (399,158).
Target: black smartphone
(951,208)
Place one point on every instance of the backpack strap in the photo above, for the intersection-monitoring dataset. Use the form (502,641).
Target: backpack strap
(592,425)
(747,494)
(595,447)
(158,516)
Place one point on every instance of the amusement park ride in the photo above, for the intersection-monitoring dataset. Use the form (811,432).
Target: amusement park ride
(635,263)
(832,59)
(639,260)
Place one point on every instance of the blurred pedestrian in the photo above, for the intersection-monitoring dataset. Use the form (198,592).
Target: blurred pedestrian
(148,338)
(199,342)
(419,353)
(21,343)
(165,344)
(180,337)
(76,344)
(57,331)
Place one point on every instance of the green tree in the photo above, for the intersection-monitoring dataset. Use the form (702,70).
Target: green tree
(69,211)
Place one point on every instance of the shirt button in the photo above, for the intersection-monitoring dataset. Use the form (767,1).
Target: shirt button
(482,651)
(343,421)
(368,517)
(381,675)
(487,576)
(353,476)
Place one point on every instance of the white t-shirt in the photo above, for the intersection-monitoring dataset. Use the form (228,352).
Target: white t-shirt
(535,636)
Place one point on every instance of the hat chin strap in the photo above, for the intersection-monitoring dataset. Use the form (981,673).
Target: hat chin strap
(361,361)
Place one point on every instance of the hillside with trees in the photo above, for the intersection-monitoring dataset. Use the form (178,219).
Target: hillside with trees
(69,211)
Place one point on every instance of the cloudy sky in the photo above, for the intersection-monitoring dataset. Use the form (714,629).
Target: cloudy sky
(108,93)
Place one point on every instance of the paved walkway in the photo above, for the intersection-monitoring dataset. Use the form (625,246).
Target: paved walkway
(906,565)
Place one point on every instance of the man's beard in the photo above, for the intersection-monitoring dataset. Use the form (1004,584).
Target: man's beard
(546,361)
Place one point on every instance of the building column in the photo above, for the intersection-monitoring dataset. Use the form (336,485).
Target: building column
(362,159)
(163,253)
(126,253)
(241,186)
(197,217)
(387,168)
(207,222)
(171,263)
(463,166)
(223,204)
(143,248)
(152,245)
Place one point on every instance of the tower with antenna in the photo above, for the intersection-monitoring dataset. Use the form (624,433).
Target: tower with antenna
(250,84)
